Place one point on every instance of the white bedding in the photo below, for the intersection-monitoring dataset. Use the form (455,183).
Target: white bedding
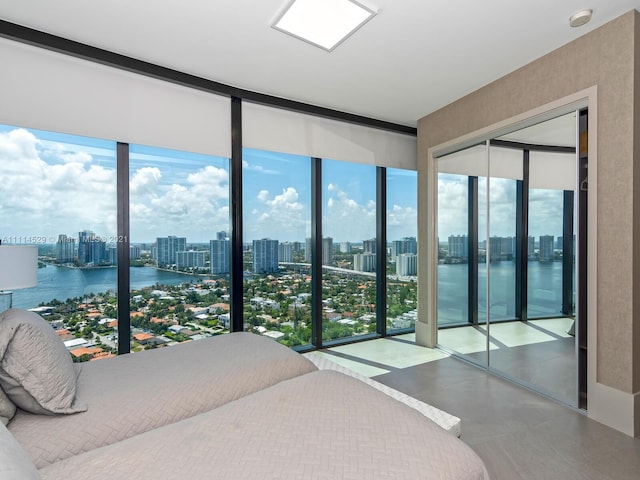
(322,425)
(447,421)
(134,393)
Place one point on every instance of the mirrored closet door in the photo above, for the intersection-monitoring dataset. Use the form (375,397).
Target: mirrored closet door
(507,246)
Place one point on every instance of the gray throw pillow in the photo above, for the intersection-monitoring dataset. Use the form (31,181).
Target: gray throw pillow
(7,408)
(15,464)
(36,370)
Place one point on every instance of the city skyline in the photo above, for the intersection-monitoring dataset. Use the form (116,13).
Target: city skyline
(545,208)
(72,183)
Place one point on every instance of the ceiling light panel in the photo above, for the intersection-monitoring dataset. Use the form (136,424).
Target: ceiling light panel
(324,23)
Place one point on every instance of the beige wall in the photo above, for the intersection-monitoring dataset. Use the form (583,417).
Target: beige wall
(606,58)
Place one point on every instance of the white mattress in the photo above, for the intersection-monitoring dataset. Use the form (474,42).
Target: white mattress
(321,425)
(445,420)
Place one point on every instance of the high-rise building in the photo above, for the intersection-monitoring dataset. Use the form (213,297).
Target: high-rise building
(190,259)
(265,256)
(546,248)
(369,246)
(222,235)
(167,247)
(364,262)
(112,255)
(407,264)
(345,247)
(404,245)
(327,251)
(135,251)
(307,250)
(285,252)
(531,245)
(458,246)
(220,255)
(65,249)
(91,249)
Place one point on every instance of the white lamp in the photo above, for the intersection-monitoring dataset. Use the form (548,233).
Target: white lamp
(18,269)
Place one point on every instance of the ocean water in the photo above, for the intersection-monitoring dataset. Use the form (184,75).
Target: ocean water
(544,291)
(62,283)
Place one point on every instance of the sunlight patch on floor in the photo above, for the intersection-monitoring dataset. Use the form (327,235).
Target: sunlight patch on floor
(517,334)
(464,340)
(558,326)
(390,352)
(358,367)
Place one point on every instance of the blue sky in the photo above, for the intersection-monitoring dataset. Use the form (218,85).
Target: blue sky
(60,184)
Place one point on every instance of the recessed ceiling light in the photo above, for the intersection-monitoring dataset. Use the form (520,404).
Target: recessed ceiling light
(580,18)
(324,23)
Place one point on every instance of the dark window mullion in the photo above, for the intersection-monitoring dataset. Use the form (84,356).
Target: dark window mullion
(124,280)
(316,252)
(472,251)
(522,240)
(237,287)
(381,249)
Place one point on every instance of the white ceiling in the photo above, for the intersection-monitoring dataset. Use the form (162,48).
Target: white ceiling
(414,57)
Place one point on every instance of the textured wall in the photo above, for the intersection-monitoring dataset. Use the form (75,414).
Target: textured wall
(606,58)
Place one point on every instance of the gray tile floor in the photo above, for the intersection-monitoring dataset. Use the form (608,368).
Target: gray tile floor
(519,434)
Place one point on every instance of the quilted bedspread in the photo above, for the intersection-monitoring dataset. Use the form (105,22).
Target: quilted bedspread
(322,425)
(134,393)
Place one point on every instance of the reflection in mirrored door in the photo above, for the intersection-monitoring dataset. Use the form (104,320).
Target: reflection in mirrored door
(462,214)
(507,256)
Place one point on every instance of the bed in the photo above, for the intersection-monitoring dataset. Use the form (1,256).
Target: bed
(234,406)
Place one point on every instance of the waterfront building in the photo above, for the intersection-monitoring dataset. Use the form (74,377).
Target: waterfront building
(531,245)
(112,255)
(167,247)
(65,249)
(220,255)
(190,259)
(546,248)
(458,246)
(91,249)
(135,251)
(265,256)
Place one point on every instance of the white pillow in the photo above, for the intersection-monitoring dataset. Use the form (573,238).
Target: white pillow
(15,464)
(36,370)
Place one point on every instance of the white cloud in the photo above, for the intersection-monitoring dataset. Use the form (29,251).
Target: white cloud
(401,222)
(346,219)
(280,217)
(196,209)
(145,181)
(64,195)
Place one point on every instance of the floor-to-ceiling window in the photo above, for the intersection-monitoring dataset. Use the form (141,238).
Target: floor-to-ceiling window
(59,192)
(277,253)
(179,246)
(349,249)
(402,249)
(175,223)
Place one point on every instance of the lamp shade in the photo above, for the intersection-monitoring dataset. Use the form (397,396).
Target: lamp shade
(18,266)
